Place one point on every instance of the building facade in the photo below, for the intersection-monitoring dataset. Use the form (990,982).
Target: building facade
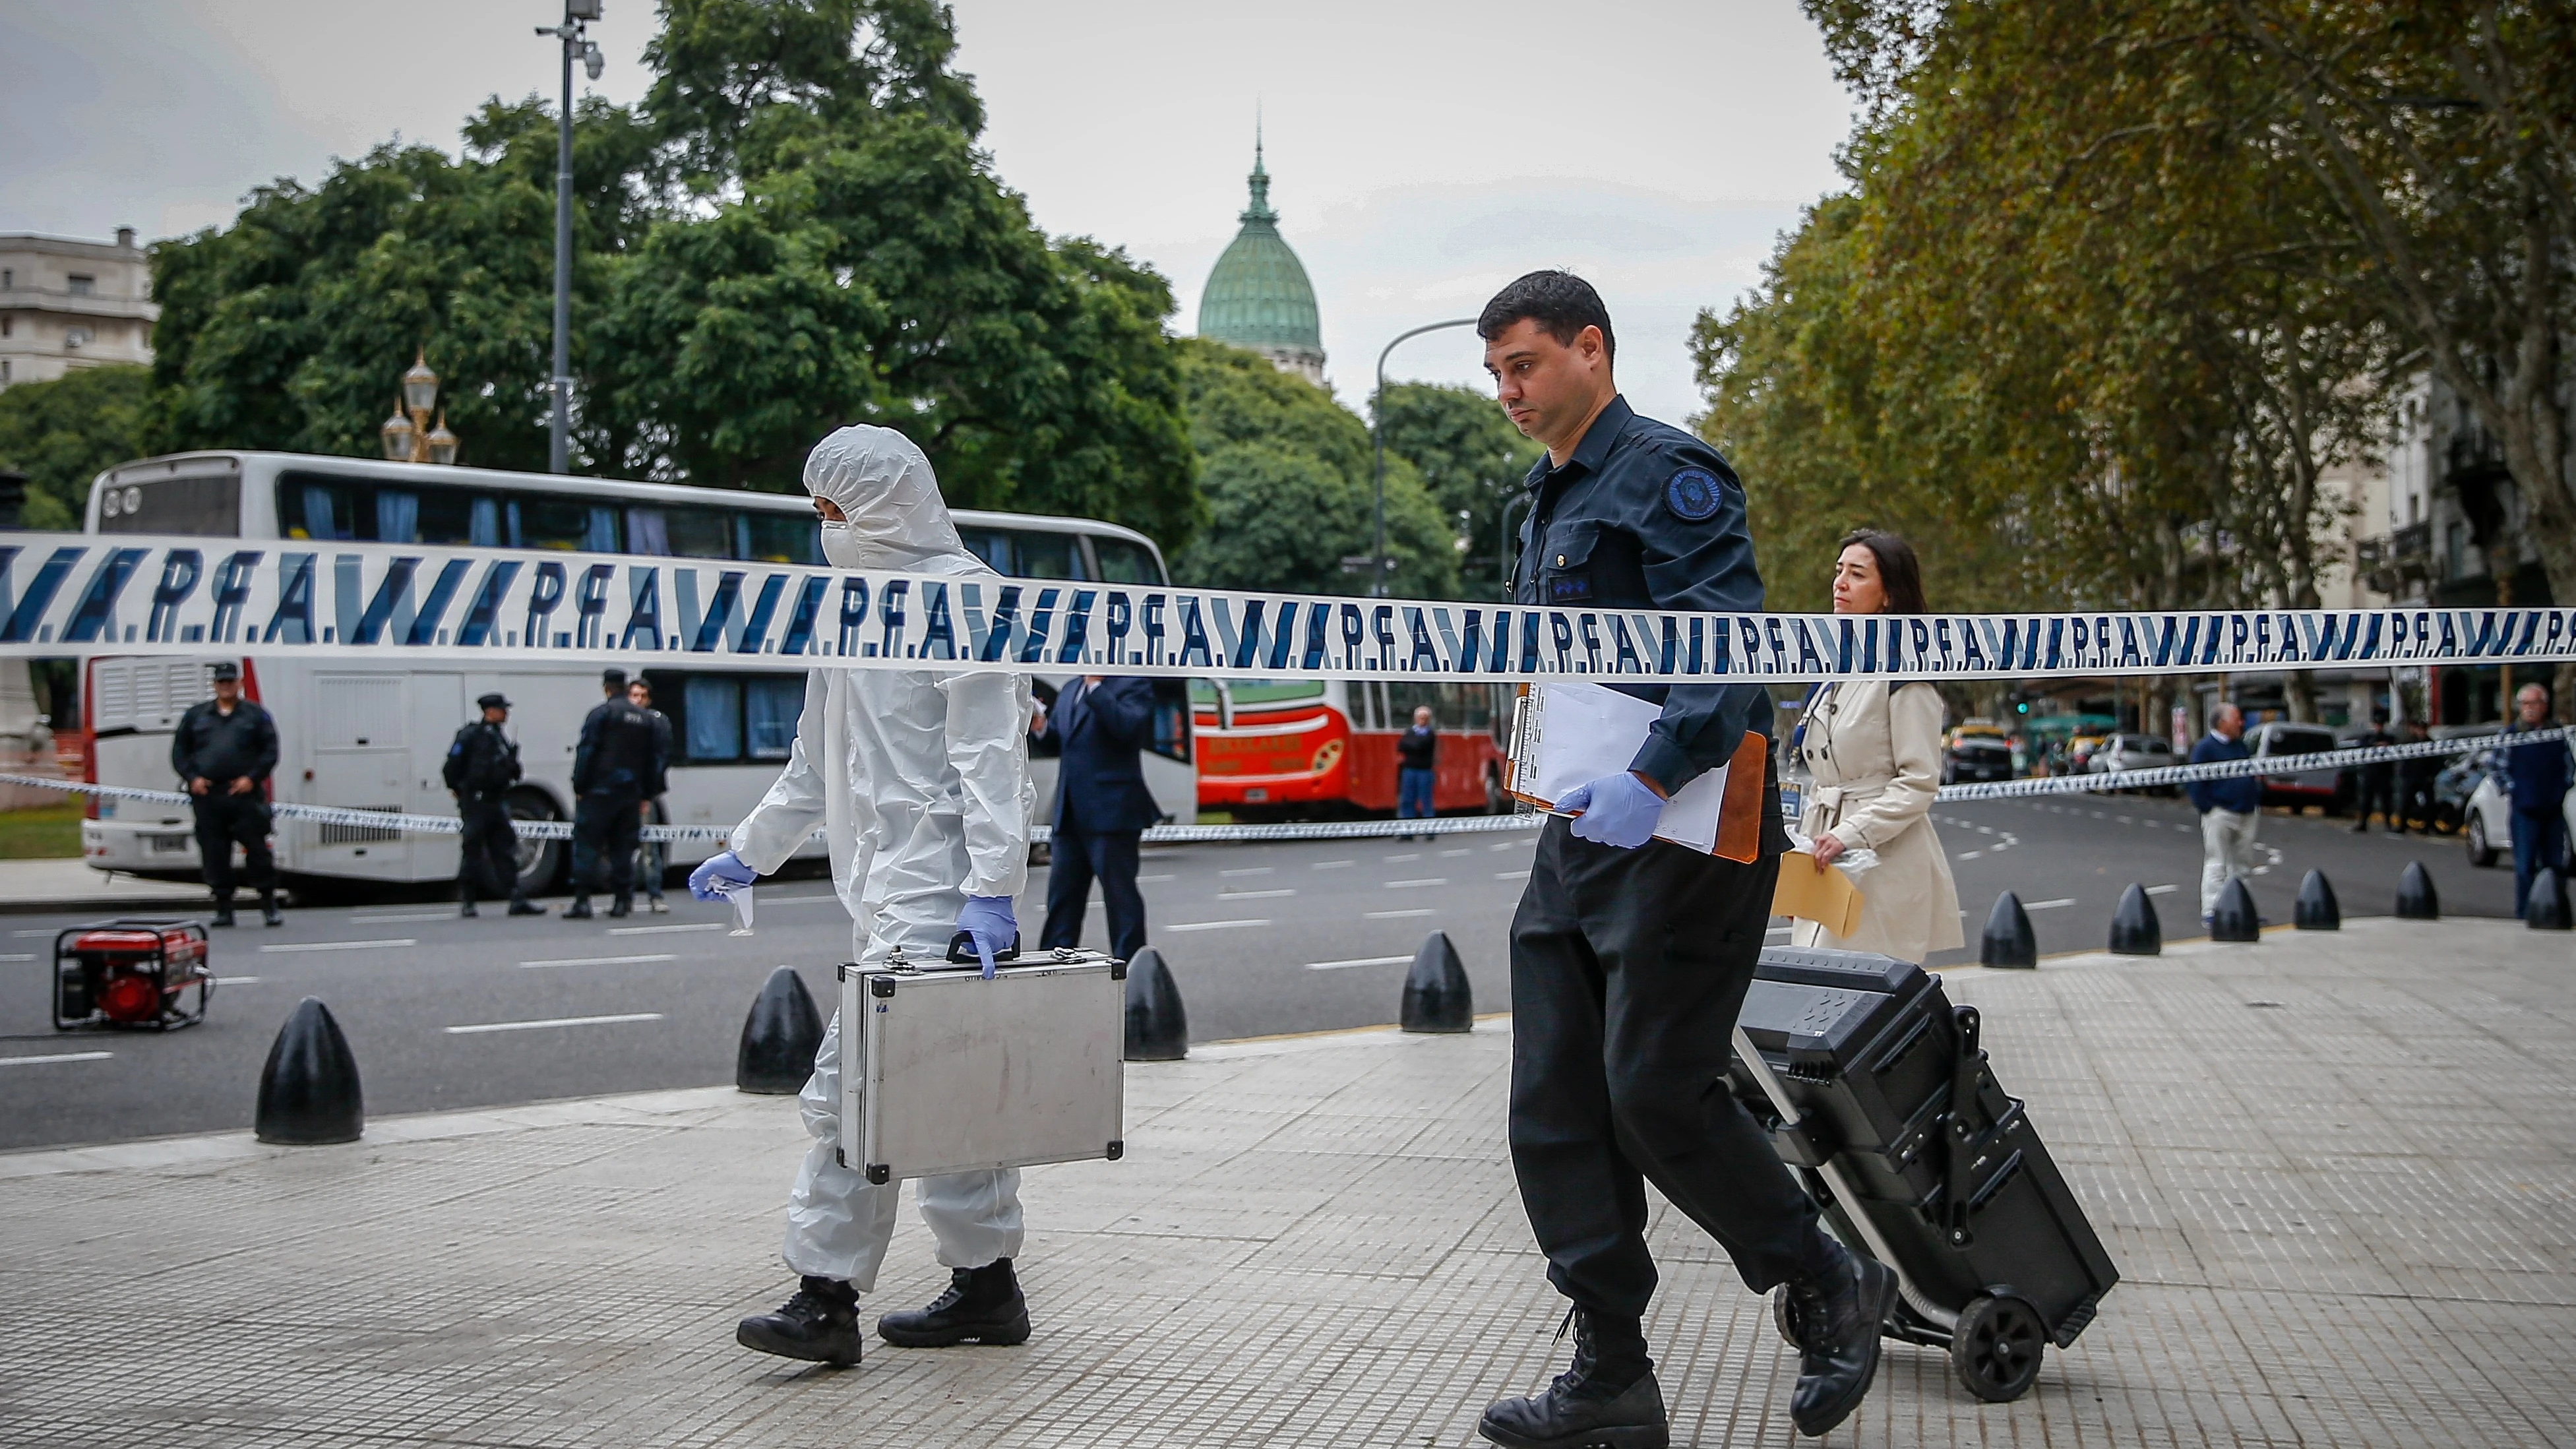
(1258,297)
(68,304)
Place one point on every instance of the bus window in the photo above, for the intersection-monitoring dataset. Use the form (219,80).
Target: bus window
(770,705)
(1048,556)
(315,508)
(1169,735)
(788,538)
(1122,562)
(397,516)
(448,515)
(206,506)
(992,546)
(567,523)
(679,532)
(710,718)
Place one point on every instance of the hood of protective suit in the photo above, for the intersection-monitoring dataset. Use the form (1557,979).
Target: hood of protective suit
(884,487)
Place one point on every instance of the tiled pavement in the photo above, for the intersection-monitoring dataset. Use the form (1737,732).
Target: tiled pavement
(2335,1172)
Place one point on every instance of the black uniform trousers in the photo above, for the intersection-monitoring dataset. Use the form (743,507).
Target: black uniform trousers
(1628,970)
(489,866)
(224,821)
(1078,858)
(604,831)
(2379,792)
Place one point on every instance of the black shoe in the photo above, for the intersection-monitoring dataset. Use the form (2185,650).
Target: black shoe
(819,1325)
(526,908)
(621,907)
(983,1304)
(579,910)
(1608,1398)
(467,911)
(224,913)
(1837,1314)
(268,912)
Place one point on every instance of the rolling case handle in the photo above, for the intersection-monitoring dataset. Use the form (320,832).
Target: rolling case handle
(1959,1144)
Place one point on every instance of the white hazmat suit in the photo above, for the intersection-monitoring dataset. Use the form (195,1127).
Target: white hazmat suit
(920,783)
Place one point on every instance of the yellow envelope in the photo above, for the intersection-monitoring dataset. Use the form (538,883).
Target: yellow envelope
(1826,896)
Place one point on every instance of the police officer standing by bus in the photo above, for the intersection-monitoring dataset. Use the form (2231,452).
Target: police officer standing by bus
(1631,956)
(224,749)
(618,765)
(482,765)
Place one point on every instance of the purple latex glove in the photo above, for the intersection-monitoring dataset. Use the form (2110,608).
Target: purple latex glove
(713,874)
(1613,810)
(987,921)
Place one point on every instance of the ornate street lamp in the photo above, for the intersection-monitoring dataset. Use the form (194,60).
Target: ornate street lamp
(407,435)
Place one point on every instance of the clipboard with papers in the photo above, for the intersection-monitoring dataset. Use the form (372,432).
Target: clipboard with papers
(1564,735)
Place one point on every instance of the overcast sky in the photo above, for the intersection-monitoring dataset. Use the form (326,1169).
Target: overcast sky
(1421,154)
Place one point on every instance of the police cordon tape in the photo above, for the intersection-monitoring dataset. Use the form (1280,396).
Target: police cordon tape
(344,602)
(2117,780)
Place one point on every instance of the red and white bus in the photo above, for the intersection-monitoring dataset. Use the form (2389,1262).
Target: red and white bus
(1287,749)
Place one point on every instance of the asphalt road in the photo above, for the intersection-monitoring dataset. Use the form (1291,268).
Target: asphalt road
(1263,939)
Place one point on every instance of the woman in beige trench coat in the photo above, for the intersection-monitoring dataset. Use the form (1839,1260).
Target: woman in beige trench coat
(1873,751)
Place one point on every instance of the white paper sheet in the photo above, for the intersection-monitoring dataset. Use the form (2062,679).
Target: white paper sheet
(1572,734)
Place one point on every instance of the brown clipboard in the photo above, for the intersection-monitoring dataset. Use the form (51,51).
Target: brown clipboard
(1739,811)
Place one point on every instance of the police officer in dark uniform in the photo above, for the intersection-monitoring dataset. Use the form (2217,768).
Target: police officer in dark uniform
(616,768)
(224,750)
(482,765)
(1631,956)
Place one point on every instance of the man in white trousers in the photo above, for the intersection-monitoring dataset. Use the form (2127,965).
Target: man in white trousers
(2229,809)
(920,784)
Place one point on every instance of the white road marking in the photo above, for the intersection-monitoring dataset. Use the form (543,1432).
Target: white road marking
(553,1021)
(2162,890)
(1457,852)
(1970,855)
(768,901)
(1214,925)
(603,960)
(665,930)
(236,981)
(1332,864)
(55,1057)
(1509,845)
(1252,895)
(19,956)
(1400,915)
(2046,905)
(1152,879)
(391,945)
(1406,885)
(1511,875)
(1361,961)
(46,932)
(1408,855)
(406,916)
(1251,870)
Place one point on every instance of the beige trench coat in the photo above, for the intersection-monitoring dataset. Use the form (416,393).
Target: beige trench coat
(1875,759)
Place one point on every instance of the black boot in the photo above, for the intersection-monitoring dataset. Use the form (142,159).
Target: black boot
(1837,1311)
(467,911)
(983,1304)
(522,906)
(223,910)
(268,912)
(820,1325)
(579,910)
(621,906)
(1608,1398)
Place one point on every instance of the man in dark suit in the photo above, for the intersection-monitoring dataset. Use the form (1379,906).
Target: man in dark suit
(1099,726)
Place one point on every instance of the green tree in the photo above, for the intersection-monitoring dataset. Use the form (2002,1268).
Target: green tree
(1473,462)
(64,433)
(1287,476)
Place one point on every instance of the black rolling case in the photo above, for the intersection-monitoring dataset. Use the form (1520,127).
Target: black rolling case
(1878,1096)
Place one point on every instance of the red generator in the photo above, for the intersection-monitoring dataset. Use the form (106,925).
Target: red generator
(131,973)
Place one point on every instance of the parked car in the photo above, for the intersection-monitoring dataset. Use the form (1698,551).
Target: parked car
(1974,759)
(2132,752)
(2278,739)
(2487,818)
(2458,778)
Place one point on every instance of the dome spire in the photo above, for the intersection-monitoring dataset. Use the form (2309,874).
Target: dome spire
(1258,297)
(1260,210)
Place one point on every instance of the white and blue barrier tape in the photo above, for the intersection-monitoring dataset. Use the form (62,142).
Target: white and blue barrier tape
(131,594)
(1445,825)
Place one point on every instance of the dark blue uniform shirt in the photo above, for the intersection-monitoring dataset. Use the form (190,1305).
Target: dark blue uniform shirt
(1646,516)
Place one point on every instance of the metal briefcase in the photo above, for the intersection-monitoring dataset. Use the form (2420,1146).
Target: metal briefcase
(943,1071)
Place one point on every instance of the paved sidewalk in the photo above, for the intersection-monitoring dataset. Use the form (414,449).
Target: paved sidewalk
(71,885)
(2338,1174)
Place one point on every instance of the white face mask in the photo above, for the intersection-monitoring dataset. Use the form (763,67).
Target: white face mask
(841,544)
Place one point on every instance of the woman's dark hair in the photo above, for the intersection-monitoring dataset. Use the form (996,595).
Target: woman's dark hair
(1561,303)
(1900,576)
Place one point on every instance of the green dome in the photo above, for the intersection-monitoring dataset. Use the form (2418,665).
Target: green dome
(1258,296)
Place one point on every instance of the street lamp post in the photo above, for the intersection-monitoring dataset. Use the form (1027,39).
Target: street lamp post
(1377,434)
(407,435)
(576,46)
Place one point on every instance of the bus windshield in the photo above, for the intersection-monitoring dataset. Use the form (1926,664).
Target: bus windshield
(203,505)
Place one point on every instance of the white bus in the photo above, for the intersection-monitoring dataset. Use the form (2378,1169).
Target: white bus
(374,737)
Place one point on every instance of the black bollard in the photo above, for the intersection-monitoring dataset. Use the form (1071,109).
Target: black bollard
(1158,1027)
(308,1092)
(2235,919)
(2317,909)
(2009,941)
(2416,898)
(1436,994)
(779,1037)
(2135,931)
(2547,908)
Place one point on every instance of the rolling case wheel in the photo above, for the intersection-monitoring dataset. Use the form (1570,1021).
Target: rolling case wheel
(1996,1348)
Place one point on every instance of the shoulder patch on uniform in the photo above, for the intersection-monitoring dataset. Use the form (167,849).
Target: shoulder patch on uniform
(1693,495)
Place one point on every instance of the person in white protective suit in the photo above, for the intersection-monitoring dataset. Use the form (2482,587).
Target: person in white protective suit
(920,784)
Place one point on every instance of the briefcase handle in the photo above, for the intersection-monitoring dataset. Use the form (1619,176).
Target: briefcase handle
(961,950)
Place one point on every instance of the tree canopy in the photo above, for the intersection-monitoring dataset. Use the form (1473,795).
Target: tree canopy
(1471,460)
(65,432)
